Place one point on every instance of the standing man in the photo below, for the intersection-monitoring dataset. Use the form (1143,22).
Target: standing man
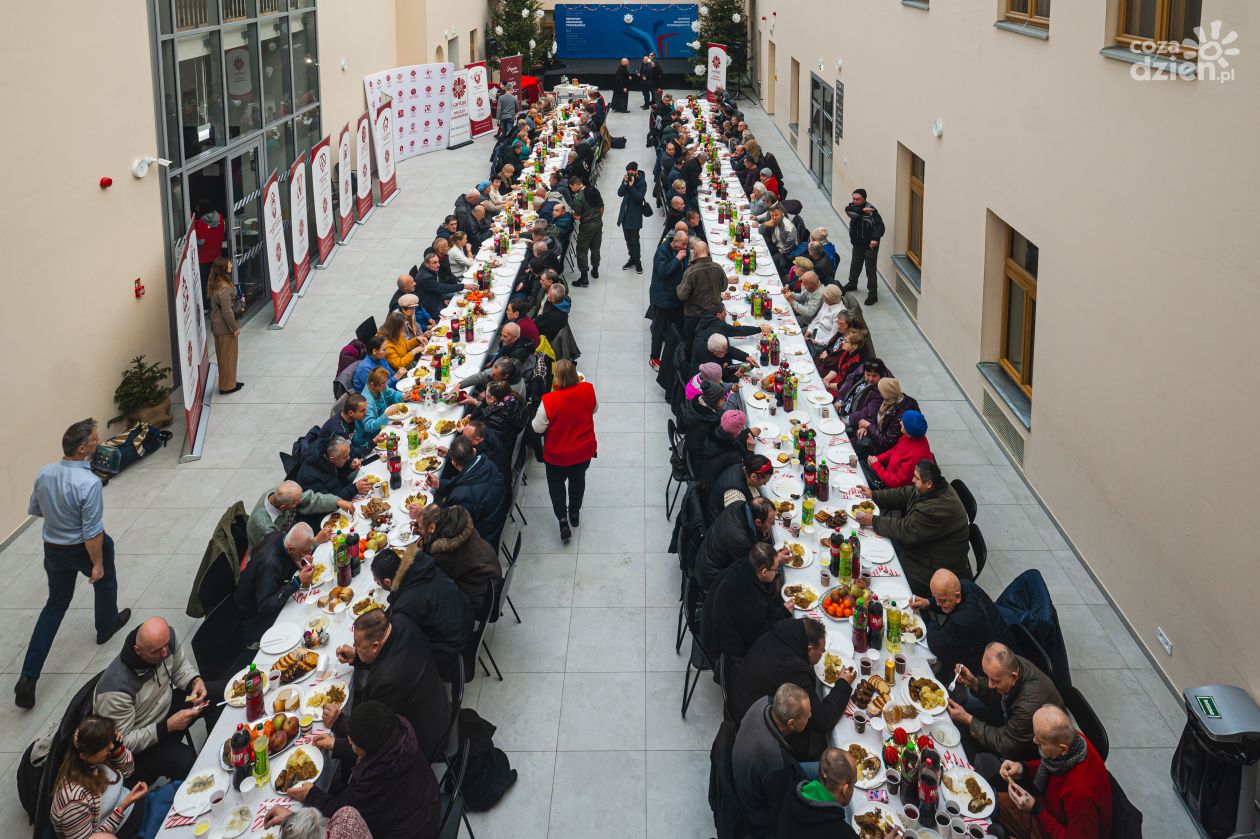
(633,191)
(588,209)
(506,108)
(68,497)
(866,228)
(646,81)
(701,288)
(209,227)
(621,87)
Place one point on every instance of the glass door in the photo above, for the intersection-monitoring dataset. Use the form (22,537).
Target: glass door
(245,222)
(821,126)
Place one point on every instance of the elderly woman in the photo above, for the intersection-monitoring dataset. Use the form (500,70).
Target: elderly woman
(710,371)
(823,327)
(771,182)
(800,265)
(460,256)
(508,174)
(496,194)
(837,366)
(895,467)
(760,202)
(415,319)
(878,426)
(89,795)
(309,823)
(847,320)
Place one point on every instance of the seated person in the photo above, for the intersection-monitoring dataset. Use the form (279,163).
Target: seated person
(447,228)
(717,350)
(393,665)
(347,421)
(553,314)
(278,566)
(502,370)
(1063,794)
(391,785)
(416,321)
(864,399)
(461,255)
(279,509)
(512,347)
(714,322)
(375,357)
(763,766)
(823,266)
(477,486)
(451,539)
(424,593)
(328,468)
(780,236)
(836,367)
(400,351)
(383,403)
(961,621)
(816,809)
(1012,691)
(744,603)
(878,426)
(787,654)
(895,467)
(309,823)
(727,444)
(806,302)
(152,693)
(731,536)
(431,288)
(517,312)
(707,372)
(90,795)
(820,330)
(496,448)
(738,482)
(406,285)
(561,227)
(931,530)
(503,412)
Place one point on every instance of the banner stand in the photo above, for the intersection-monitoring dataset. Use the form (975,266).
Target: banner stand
(193,447)
(364,218)
(387,201)
(331,254)
(345,240)
(310,280)
(284,318)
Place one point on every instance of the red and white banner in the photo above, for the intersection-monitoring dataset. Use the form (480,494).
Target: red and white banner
(479,117)
(420,95)
(384,145)
(190,329)
(718,61)
(460,133)
(345,178)
(363,156)
(277,255)
(322,197)
(510,69)
(299,232)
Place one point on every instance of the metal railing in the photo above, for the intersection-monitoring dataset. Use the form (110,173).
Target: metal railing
(191,14)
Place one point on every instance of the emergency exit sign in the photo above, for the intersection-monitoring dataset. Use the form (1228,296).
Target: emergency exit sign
(1207,705)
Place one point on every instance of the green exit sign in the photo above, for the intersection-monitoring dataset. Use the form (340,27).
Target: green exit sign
(1207,705)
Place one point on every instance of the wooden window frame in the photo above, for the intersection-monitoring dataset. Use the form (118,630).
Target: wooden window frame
(916,188)
(1015,273)
(1164,46)
(1031,17)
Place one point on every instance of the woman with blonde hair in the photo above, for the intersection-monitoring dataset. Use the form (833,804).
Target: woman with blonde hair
(460,255)
(566,418)
(223,323)
(89,795)
(400,351)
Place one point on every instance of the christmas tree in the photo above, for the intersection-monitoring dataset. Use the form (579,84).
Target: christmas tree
(721,22)
(517,26)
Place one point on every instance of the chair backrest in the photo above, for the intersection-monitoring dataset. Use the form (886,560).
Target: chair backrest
(218,583)
(80,706)
(726,680)
(344,383)
(457,702)
(451,787)
(507,579)
(1126,820)
(968,500)
(693,603)
(514,554)
(366,330)
(978,548)
(1086,720)
(218,644)
(728,816)
(1030,648)
(692,528)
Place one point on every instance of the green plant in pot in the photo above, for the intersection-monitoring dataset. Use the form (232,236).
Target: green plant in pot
(143,396)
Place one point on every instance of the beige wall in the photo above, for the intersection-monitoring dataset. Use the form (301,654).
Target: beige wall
(1142,199)
(72,251)
(361,34)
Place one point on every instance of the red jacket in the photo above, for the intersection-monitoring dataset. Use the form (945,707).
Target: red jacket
(213,239)
(895,467)
(570,435)
(772,184)
(529,330)
(1076,805)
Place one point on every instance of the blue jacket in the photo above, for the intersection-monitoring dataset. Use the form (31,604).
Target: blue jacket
(434,293)
(630,214)
(365,368)
(667,271)
(563,226)
(367,428)
(481,490)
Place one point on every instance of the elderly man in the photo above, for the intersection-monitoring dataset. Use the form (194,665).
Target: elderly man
(278,566)
(430,288)
(502,370)
(677,212)
(442,247)
(701,288)
(713,323)
(818,809)
(512,347)
(477,486)
(1065,793)
(328,468)
(716,350)
(764,768)
(464,218)
(424,593)
(506,105)
(152,693)
(1011,691)
(961,622)
(622,81)
(931,531)
(805,303)
(733,533)
(67,496)
(517,312)
(780,236)
(278,510)
(561,226)
(553,315)
(745,602)
(406,285)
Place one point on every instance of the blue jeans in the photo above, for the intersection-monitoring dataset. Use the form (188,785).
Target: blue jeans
(62,563)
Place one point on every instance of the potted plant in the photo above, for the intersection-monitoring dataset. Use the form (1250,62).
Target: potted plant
(142,395)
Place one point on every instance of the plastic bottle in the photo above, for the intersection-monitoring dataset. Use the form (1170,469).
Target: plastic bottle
(893,631)
(823,490)
(859,626)
(254,708)
(875,624)
(262,770)
(240,755)
(846,560)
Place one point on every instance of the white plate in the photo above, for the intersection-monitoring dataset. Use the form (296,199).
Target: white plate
(316,756)
(800,417)
(192,804)
(876,551)
(959,776)
(889,816)
(404,385)
(768,429)
(485,327)
(764,270)
(904,683)
(492,307)
(820,668)
(832,427)
(820,397)
(737,307)
(789,489)
(945,735)
(237,821)
(867,783)
(239,702)
(478,347)
(450,311)
(322,687)
(281,638)
(915,620)
(465,370)
(806,560)
(853,502)
(812,588)
(335,516)
(400,536)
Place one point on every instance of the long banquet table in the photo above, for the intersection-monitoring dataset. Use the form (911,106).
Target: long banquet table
(888,580)
(302,607)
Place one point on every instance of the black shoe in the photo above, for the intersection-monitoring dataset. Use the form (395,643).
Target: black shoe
(565,533)
(239,385)
(638,268)
(573,517)
(582,281)
(24,692)
(595,271)
(629,264)
(124,617)
(871,299)
(850,287)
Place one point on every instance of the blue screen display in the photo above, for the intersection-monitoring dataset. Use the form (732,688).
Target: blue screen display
(601,31)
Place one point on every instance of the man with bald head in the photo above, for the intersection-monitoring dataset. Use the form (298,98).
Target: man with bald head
(701,287)
(152,693)
(806,302)
(406,285)
(279,508)
(1065,792)
(464,217)
(961,620)
(278,567)
(1011,691)
(819,809)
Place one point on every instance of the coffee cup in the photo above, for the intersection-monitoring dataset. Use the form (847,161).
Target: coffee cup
(893,777)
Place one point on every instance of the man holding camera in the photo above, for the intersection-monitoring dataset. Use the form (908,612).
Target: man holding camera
(633,192)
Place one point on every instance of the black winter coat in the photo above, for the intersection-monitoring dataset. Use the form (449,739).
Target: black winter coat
(667,271)
(630,214)
(696,422)
(864,228)
(739,610)
(265,586)
(730,478)
(317,474)
(801,818)
(726,543)
(479,489)
(465,557)
(433,293)
(422,592)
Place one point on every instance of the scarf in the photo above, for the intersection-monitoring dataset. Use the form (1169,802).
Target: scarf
(890,389)
(1060,765)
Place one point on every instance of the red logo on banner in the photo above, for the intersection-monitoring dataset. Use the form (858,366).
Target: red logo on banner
(323,162)
(301,228)
(400,151)
(324,205)
(413,144)
(413,109)
(443,70)
(442,89)
(438,138)
(238,63)
(428,89)
(413,91)
(413,74)
(387,155)
(442,103)
(279,255)
(363,134)
(426,125)
(717,62)
(401,113)
(388,77)
(440,122)
(459,87)
(426,142)
(481,102)
(275,210)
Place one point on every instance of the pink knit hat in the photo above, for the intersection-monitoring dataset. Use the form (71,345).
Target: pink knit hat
(710,372)
(733,422)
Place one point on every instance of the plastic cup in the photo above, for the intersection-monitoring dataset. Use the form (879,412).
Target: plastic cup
(824,576)
(957,827)
(942,820)
(909,814)
(953,809)
(975,832)
(859,722)
(865,664)
(893,777)
(900,661)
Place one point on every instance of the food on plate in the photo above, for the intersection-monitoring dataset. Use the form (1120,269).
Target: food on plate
(445,426)
(295,664)
(419,499)
(894,714)
(868,765)
(876,708)
(929,694)
(783,457)
(374,507)
(338,521)
(199,783)
(841,600)
(335,694)
(300,768)
(759,395)
(338,595)
(801,595)
(430,463)
(797,552)
(286,700)
(828,518)
(238,819)
(978,798)
(867,689)
(831,668)
(373,479)
(364,605)
(873,824)
(784,506)
(236,690)
(864,507)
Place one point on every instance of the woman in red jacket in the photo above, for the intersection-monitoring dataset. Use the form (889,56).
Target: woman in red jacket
(895,467)
(567,418)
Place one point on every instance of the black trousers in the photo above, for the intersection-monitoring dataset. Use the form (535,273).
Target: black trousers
(861,258)
(173,756)
(63,564)
(662,320)
(575,477)
(632,244)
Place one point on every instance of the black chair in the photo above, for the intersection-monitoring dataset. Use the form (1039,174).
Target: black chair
(481,622)
(451,797)
(1126,820)
(511,557)
(1031,649)
(968,500)
(726,680)
(366,330)
(494,607)
(677,476)
(520,454)
(218,645)
(978,549)
(699,660)
(218,583)
(1086,720)
(457,702)
(80,706)
(728,815)
(691,527)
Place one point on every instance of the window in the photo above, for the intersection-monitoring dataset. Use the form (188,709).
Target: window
(1035,12)
(1167,25)
(305,60)
(240,60)
(914,241)
(277,86)
(200,92)
(1019,309)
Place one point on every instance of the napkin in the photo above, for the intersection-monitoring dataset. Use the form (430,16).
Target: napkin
(880,795)
(263,808)
(884,571)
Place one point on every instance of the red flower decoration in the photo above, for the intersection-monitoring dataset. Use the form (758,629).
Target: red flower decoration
(900,737)
(925,742)
(891,756)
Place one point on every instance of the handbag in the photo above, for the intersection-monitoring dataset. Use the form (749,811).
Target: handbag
(647,211)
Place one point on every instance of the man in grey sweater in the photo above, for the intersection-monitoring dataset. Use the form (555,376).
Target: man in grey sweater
(280,508)
(805,303)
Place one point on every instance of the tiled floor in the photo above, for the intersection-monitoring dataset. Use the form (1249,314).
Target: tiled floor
(589,707)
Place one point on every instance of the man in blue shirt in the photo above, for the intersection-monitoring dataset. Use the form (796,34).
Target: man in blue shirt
(67,496)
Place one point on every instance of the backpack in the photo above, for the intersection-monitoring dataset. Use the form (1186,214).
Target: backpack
(292,460)
(117,453)
(618,142)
